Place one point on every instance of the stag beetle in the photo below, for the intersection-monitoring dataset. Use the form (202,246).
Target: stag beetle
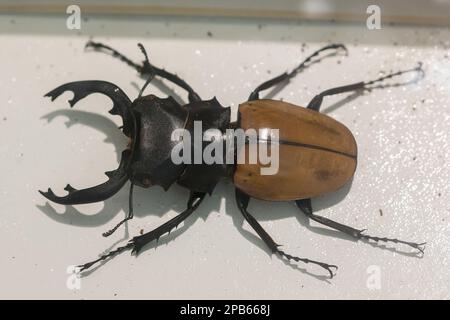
(317,154)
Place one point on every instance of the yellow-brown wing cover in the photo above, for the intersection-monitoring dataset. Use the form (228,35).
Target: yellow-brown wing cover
(318,156)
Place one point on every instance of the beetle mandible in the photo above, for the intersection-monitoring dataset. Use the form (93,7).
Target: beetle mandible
(326,148)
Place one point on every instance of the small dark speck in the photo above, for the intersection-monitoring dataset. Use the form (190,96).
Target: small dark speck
(209,34)
(5,118)
(439,194)
(414,158)
(339,62)
(12,21)
(395,43)
(141,231)
(115,294)
(85,19)
(21,154)
(269,72)
(423,100)
(391,23)
(381,212)
(13,257)
(399,142)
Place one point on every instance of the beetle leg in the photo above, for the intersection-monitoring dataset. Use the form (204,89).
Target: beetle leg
(147,68)
(116,178)
(242,200)
(288,75)
(316,102)
(305,207)
(137,243)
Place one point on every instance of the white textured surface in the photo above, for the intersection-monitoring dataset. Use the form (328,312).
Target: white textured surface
(404,162)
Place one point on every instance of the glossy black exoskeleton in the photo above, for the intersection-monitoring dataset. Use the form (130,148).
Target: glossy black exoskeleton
(149,123)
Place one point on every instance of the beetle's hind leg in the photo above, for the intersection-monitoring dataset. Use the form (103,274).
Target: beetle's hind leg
(242,200)
(305,206)
(146,67)
(316,102)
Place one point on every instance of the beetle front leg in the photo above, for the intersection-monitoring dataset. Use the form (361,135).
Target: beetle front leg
(137,243)
(242,200)
(305,206)
(147,68)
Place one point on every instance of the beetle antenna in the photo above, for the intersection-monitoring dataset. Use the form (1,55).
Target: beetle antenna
(129,217)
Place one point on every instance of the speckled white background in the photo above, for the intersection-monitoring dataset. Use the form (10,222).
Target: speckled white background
(404,161)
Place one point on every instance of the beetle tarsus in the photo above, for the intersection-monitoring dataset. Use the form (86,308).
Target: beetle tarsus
(326,266)
(104,257)
(419,246)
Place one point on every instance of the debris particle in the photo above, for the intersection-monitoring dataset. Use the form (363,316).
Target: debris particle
(141,231)
(209,33)
(381,212)
(414,158)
